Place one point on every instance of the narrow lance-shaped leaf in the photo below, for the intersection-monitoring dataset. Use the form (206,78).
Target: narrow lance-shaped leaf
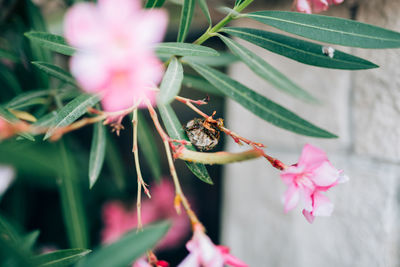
(55,71)
(300,50)
(147,144)
(171,83)
(97,152)
(71,200)
(201,84)
(50,41)
(127,249)
(154,3)
(260,105)
(185,49)
(9,80)
(60,258)
(24,99)
(72,111)
(224,59)
(266,71)
(329,29)
(175,131)
(186,19)
(206,12)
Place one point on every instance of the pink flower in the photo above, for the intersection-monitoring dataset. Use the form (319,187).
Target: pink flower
(306,180)
(314,6)
(203,253)
(115,57)
(118,219)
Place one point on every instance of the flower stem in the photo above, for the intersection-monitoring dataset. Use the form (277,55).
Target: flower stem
(217,157)
(179,196)
(211,32)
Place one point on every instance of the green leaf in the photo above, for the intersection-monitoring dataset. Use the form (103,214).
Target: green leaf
(238,2)
(60,258)
(199,83)
(186,19)
(223,59)
(25,99)
(329,29)
(147,145)
(72,111)
(29,240)
(266,71)
(115,163)
(129,248)
(55,71)
(184,49)
(204,9)
(47,120)
(176,131)
(5,54)
(97,152)
(171,83)
(260,105)
(154,3)
(300,50)
(50,41)
(71,200)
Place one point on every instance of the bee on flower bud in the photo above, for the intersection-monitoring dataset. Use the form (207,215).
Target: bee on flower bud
(203,133)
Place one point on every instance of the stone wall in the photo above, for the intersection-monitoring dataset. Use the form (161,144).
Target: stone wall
(363,107)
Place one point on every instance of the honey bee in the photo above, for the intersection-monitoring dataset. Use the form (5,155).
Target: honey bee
(203,134)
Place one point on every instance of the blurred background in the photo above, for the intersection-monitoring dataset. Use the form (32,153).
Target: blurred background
(242,209)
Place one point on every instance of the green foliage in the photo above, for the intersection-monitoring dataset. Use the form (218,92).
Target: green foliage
(50,41)
(55,71)
(185,49)
(300,50)
(329,29)
(127,249)
(97,152)
(223,59)
(266,71)
(71,112)
(60,258)
(204,9)
(171,83)
(201,84)
(154,3)
(186,19)
(175,131)
(260,105)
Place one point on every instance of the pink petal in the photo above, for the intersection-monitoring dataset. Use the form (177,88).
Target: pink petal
(292,197)
(81,27)
(312,157)
(310,218)
(303,6)
(141,263)
(151,26)
(289,174)
(325,175)
(91,71)
(322,205)
(229,259)
(306,198)
(118,11)
(320,5)
(191,260)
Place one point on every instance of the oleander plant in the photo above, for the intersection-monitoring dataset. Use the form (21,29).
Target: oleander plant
(66,98)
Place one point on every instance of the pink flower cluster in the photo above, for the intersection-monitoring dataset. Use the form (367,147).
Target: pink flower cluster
(115,57)
(306,181)
(118,220)
(203,253)
(314,6)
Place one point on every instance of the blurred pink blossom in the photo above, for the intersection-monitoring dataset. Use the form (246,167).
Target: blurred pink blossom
(314,6)
(119,220)
(306,180)
(115,57)
(203,253)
